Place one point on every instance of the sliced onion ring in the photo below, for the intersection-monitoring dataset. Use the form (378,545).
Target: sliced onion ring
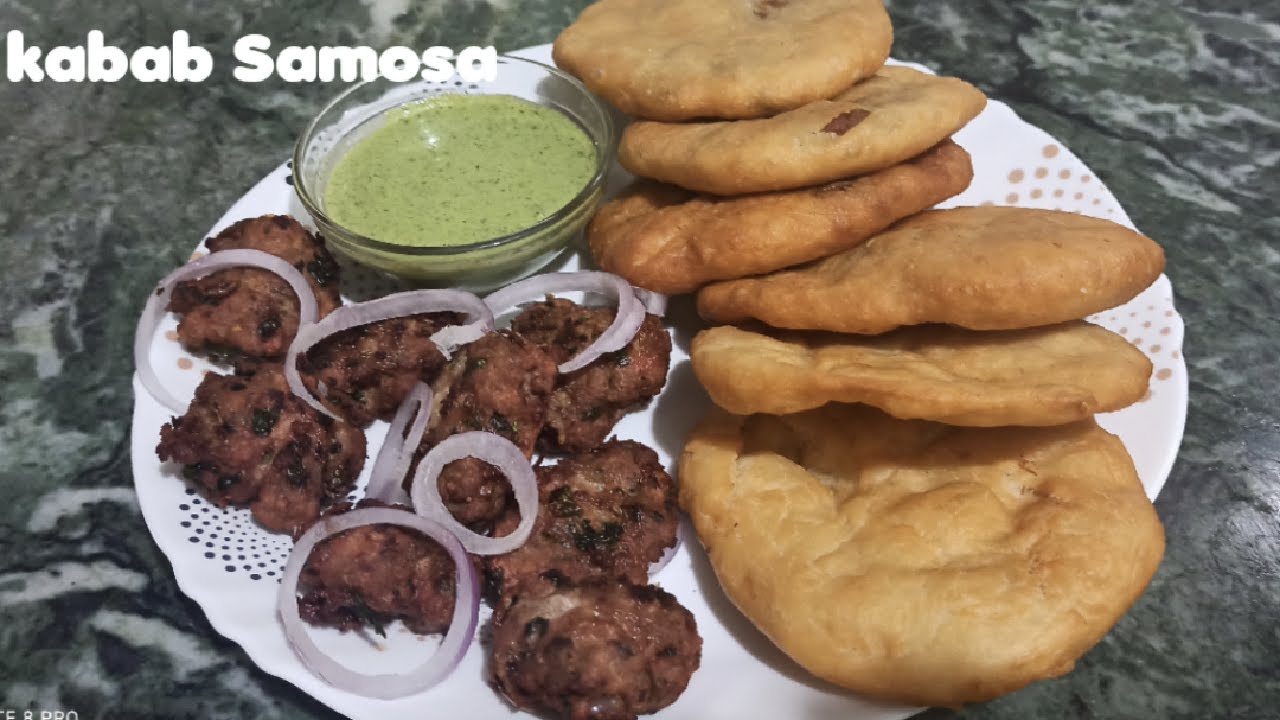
(457,640)
(495,450)
(455,336)
(615,337)
(654,303)
(402,304)
(386,480)
(158,304)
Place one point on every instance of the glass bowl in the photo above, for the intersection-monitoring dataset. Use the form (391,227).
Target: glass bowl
(488,262)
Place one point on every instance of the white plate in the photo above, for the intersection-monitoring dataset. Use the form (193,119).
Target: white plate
(229,565)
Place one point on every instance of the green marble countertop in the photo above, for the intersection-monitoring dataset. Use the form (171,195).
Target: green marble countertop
(104,188)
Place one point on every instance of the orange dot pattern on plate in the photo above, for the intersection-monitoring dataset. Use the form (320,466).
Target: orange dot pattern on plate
(1057,179)
(185,363)
(1164,374)
(171,335)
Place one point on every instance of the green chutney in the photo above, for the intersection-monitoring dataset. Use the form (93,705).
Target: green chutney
(459,169)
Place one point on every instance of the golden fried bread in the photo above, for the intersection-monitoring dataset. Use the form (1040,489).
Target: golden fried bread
(681,59)
(882,121)
(918,562)
(1041,376)
(670,240)
(983,268)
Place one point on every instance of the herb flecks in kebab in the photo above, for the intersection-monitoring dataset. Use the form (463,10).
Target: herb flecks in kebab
(372,575)
(606,514)
(246,440)
(599,651)
(367,371)
(589,402)
(368,566)
(441,305)
(249,312)
(378,525)
(500,384)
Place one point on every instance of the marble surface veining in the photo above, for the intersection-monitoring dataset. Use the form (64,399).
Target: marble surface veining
(103,188)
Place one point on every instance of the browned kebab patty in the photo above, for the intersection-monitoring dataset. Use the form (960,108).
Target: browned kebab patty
(248,440)
(368,371)
(501,384)
(608,513)
(247,311)
(372,575)
(601,651)
(587,403)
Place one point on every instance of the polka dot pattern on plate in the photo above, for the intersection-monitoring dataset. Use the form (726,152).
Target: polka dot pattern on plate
(230,539)
(1147,326)
(1054,182)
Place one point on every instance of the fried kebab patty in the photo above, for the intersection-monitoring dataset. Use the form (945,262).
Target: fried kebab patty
(246,440)
(601,651)
(368,370)
(587,403)
(248,311)
(609,513)
(501,384)
(374,574)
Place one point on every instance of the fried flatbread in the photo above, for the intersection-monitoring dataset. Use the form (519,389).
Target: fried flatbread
(1042,376)
(670,240)
(983,268)
(882,121)
(918,562)
(682,59)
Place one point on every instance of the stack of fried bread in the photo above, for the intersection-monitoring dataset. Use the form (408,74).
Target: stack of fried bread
(770,133)
(903,485)
(912,442)
(911,496)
